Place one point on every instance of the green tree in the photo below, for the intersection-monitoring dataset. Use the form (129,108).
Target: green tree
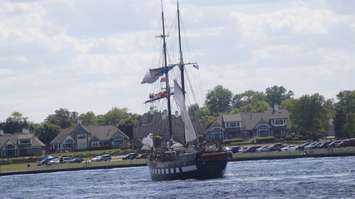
(254,107)
(46,132)
(200,117)
(15,123)
(344,114)
(218,100)
(310,116)
(247,98)
(120,118)
(288,104)
(116,116)
(127,124)
(350,125)
(63,118)
(100,119)
(276,94)
(88,118)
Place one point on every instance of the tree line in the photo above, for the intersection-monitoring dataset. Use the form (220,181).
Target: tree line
(311,116)
(63,118)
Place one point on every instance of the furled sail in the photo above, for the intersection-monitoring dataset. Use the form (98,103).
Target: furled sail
(153,97)
(190,134)
(153,74)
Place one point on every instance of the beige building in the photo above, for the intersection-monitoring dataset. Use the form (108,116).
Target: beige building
(89,137)
(248,125)
(20,144)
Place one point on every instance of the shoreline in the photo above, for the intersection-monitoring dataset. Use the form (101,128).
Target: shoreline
(141,162)
(69,169)
(292,157)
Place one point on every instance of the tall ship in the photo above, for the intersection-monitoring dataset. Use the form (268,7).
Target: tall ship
(168,159)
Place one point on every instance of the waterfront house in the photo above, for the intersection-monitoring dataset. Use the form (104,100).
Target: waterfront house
(247,125)
(20,144)
(89,137)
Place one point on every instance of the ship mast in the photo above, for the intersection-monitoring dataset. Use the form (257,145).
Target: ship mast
(181,63)
(163,36)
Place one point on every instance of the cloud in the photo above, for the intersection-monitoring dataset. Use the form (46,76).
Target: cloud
(91,55)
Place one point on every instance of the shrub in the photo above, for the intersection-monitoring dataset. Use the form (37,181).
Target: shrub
(268,139)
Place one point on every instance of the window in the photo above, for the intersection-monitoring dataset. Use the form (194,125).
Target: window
(263,130)
(10,150)
(279,122)
(117,141)
(95,144)
(68,143)
(24,141)
(234,124)
(81,136)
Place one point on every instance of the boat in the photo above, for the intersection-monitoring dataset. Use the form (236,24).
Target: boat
(172,160)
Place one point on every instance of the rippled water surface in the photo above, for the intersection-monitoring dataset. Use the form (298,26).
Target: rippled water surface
(296,178)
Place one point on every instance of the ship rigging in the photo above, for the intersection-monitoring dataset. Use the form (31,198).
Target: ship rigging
(175,160)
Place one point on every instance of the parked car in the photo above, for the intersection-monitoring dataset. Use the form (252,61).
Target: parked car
(251,149)
(235,149)
(334,144)
(347,142)
(65,159)
(277,147)
(288,148)
(77,160)
(263,149)
(71,159)
(301,147)
(324,145)
(130,156)
(318,145)
(45,160)
(243,149)
(141,156)
(105,157)
(54,161)
(311,145)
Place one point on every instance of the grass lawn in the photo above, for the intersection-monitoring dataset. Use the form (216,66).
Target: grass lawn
(248,143)
(93,153)
(34,167)
(294,154)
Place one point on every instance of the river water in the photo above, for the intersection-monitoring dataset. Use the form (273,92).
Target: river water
(332,177)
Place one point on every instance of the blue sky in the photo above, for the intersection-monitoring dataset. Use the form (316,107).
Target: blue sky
(90,55)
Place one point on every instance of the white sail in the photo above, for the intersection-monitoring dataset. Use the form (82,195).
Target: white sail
(190,134)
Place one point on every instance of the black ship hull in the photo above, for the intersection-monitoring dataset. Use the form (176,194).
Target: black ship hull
(187,166)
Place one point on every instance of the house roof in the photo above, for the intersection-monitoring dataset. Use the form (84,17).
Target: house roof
(216,123)
(62,135)
(7,137)
(13,138)
(102,133)
(232,118)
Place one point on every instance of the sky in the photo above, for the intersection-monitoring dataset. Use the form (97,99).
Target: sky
(90,55)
